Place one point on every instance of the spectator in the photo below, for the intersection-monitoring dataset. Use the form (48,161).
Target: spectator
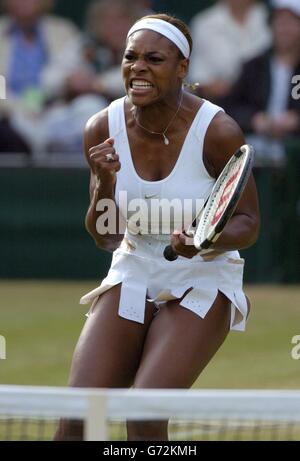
(225,36)
(93,66)
(88,73)
(262,100)
(30,39)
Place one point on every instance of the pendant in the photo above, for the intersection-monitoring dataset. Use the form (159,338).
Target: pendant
(166,141)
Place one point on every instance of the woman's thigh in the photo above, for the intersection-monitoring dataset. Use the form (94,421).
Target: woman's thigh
(110,347)
(179,344)
(107,354)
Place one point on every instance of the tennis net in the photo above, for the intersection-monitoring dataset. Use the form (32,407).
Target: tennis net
(33,413)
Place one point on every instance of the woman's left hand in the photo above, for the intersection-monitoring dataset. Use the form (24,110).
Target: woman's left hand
(183,245)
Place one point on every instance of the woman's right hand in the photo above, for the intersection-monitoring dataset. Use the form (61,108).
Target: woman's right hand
(103,168)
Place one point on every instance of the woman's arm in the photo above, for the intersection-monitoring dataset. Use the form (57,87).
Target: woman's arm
(222,139)
(97,145)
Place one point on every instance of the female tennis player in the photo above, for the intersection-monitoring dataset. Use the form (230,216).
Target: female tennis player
(155,323)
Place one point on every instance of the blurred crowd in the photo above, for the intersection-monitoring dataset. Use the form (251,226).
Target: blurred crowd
(246,57)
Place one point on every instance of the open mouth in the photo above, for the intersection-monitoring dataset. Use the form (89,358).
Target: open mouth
(139,84)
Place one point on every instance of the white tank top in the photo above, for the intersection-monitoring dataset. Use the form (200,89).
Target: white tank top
(138,264)
(189,182)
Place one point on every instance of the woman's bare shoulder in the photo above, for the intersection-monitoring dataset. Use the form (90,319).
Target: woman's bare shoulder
(223,138)
(96,129)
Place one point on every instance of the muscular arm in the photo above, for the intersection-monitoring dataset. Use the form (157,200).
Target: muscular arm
(102,180)
(223,138)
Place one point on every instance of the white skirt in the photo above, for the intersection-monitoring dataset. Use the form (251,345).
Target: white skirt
(144,273)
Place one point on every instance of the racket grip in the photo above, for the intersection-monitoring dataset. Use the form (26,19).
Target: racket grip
(170,254)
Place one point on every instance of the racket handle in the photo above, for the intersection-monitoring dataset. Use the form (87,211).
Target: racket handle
(170,254)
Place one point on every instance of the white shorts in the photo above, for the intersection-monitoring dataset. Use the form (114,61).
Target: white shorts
(144,273)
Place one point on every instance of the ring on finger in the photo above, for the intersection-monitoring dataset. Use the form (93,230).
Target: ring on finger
(109,157)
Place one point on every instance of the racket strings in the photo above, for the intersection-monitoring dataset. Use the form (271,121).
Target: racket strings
(221,196)
(226,196)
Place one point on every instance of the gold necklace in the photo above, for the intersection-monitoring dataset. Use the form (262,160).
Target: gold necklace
(162,133)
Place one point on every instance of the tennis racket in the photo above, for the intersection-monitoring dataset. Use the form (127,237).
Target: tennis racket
(221,203)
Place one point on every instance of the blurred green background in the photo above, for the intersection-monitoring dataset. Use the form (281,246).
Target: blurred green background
(42,232)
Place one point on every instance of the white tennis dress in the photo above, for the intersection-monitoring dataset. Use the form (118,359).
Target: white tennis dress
(139,263)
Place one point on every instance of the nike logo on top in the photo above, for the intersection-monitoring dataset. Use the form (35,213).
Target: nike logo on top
(148,196)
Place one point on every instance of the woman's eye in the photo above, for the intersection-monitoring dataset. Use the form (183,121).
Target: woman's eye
(129,57)
(155,59)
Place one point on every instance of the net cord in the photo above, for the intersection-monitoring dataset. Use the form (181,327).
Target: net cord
(149,403)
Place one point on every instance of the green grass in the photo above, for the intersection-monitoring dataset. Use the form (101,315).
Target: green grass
(42,321)
(260,357)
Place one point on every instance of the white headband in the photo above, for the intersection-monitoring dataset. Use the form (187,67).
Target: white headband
(167,30)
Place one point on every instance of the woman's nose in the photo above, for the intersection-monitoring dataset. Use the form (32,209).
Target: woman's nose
(138,66)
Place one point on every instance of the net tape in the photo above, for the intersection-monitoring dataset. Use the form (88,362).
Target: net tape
(225,409)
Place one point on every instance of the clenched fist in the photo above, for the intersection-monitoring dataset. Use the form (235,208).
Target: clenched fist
(104,161)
